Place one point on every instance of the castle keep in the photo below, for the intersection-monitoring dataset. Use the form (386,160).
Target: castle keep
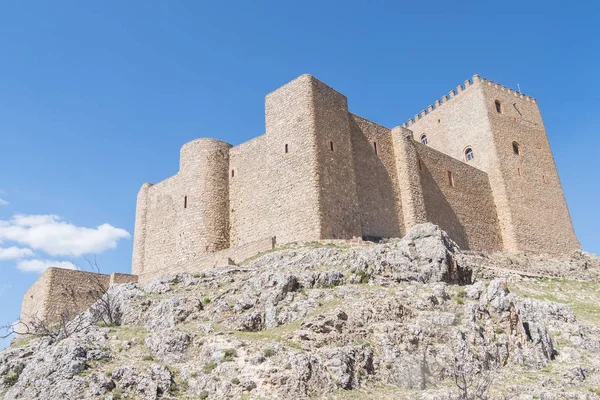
(477,163)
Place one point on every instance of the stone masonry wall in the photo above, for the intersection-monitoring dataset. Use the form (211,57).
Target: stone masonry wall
(292,184)
(249,206)
(538,208)
(203,203)
(67,292)
(338,201)
(409,179)
(377,187)
(36,299)
(163,202)
(218,259)
(462,204)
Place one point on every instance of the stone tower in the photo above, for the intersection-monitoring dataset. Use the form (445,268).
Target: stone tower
(501,132)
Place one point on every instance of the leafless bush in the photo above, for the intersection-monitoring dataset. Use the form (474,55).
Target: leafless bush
(472,376)
(105,309)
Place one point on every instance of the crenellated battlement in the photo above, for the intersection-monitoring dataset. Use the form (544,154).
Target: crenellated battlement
(475,80)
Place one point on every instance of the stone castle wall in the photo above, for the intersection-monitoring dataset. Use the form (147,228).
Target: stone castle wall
(377,187)
(66,292)
(320,172)
(458,198)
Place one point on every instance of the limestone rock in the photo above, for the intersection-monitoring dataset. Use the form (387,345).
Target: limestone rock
(397,319)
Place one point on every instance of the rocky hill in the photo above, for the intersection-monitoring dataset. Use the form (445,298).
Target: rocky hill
(409,318)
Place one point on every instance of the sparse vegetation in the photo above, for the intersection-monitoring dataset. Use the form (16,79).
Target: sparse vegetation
(117,394)
(13,376)
(364,277)
(229,355)
(235,381)
(268,352)
(209,367)
(459,300)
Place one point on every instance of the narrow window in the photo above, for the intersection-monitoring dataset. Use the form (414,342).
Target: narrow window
(519,171)
(286,148)
(469,154)
(424,139)
(498,106)
(450,178)
(439,121)
(184,201)
(538,144)
(375,147)
(419,162)
(232,173)
(331,145)
(544,179)
(516,148)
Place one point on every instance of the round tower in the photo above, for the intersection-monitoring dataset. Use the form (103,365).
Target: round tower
(203,223)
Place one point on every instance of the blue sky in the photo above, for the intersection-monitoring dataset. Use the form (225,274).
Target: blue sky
(97,97)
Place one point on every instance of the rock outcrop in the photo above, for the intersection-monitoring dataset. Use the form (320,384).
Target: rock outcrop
(409,318)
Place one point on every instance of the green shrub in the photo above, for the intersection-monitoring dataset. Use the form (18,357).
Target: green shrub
(117,394)
(364,277)
(208,367)
(229,355)
(235,381)
(203,395)
(206,300)
(13,376)
(148,358)
(268,352)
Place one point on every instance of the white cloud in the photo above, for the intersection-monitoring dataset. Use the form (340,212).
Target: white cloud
(3,202)
(58,238)
(13,253)
(42,265)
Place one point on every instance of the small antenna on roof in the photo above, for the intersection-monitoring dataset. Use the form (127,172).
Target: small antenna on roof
(519,87)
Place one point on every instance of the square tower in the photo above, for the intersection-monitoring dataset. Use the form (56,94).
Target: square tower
(501,132)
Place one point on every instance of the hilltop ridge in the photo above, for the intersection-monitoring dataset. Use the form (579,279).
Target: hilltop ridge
(406,318)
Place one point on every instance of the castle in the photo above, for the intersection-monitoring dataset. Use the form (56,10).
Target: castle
(477,163)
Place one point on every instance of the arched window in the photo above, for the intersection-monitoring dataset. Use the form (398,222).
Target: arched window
(424,139)
(516,148)
(498,106)
(469,155)
(286,148)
